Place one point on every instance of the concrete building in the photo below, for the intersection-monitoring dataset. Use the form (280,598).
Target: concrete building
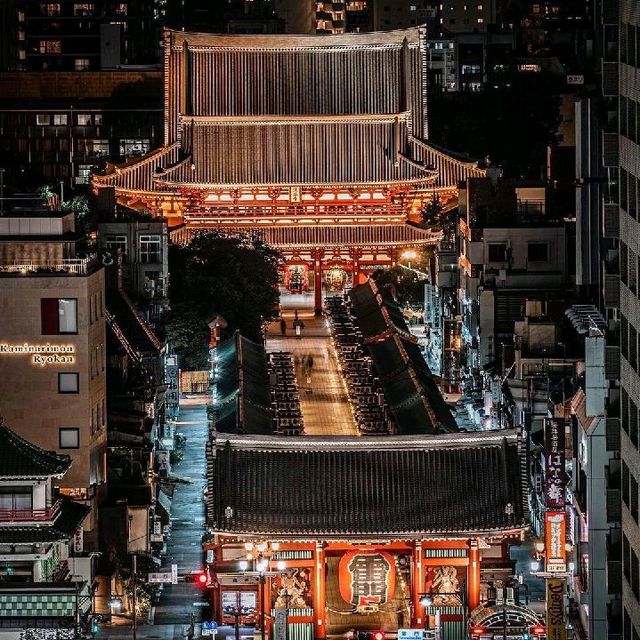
(52,351)
(629,180)
(465,16)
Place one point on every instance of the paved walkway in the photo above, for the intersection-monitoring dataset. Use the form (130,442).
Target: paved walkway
(324,403)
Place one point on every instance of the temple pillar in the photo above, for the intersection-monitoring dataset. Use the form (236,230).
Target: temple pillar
(355,255)
(317,285)
(417,585)
(473,583)
(320,595)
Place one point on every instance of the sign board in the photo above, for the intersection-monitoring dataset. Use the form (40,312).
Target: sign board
(210,625)
(555,539)
(281,624)
(554,444)
(174,574)
(556,619)
(78,540)
(410,634)
(163,577)
(575,79)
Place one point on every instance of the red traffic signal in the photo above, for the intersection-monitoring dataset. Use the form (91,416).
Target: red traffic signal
(201,579)
(538,630)
(476,632)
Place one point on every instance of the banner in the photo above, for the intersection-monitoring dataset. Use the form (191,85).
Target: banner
(556,619)
(555,539)
(367,579)
(554,485)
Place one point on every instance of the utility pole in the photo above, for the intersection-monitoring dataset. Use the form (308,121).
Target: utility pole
(134,570)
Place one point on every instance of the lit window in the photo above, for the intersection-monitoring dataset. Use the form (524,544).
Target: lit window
(82,64)
(50,46)
(84,119)
(21,16)
(84,9)
(121,9)
(68,382)
(97,119)
(60,118)
(116,244)
(479,7)
(43,119)
(480,20)
(93,148)
(150,249)
(413,7)
(69,438)
(50,9)
(131,148)
(84,174)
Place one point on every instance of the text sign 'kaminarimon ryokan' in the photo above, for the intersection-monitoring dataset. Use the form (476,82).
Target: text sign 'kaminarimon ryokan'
(320,143)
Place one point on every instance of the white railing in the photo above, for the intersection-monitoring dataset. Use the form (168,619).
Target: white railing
(77,266)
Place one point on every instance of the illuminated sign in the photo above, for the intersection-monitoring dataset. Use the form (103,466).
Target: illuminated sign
(41,354)
(367,578)
(556,622)
(554,485)
(555,527)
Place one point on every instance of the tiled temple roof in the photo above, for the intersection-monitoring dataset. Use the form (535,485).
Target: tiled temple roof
(412,395)
(242,388)
(21,459)
(431,485)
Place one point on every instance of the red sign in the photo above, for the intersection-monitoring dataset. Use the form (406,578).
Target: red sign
(367,578)
(554,485)
(555,539)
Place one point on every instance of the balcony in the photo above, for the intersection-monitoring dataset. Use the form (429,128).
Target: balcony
(38,516)
(70,266)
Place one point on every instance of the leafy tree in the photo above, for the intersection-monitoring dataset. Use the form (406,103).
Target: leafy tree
(432,210)
(233,276)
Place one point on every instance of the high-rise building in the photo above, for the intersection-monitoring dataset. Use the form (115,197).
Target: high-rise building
(629,183)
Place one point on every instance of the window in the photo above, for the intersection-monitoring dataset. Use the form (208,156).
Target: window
(59,316)
(83,9)
(43,119)
(633,499)
(93,148)
(470,68)
(51,9)
(16,498)
(625,484)
(82,64)
(50,46)
(132,148)
(149,249)
(537,252)
(633,347)
(68,383)
(84,173)
(69,438)
(60,118)
(121,9)
(97,119)
(498,252)
(116,244)
(84,119)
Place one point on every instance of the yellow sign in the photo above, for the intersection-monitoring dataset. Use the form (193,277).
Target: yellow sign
(41,354)
(556,618)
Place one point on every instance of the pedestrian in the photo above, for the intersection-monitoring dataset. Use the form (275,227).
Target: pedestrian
(283,326)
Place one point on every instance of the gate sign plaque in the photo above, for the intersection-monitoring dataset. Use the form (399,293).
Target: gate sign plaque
(554,486)
(367,579)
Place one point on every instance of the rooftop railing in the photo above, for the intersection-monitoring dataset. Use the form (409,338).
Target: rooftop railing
(30,515)
(69,266)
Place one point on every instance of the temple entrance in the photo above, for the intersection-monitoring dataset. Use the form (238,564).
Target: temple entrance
(368,591)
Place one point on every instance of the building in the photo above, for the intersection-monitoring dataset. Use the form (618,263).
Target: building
(461,16)
(53,349)
(46,577)
(50,135)
(344,169)
(68,36)
(629,158)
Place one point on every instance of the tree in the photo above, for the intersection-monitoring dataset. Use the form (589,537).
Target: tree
(432,210)
(233,276)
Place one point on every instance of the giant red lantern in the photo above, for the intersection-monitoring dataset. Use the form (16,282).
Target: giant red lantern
(367,578)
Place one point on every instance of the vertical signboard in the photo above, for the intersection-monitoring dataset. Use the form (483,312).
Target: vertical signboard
(556,619)
(554,444)
(555,536)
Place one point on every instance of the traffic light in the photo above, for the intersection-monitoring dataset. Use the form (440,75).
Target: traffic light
(476,632)
(371,635)
(197,577)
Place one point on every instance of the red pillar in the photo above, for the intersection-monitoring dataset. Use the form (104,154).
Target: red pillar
(317,286)
(319,595)
(473,586)
(417,586)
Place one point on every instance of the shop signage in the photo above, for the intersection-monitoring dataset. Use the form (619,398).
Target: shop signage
(410,634)
(367,578)
(78,540)
(41,354)
(556,619)
(174,574)
(163,577)
(554,486)
(555,527)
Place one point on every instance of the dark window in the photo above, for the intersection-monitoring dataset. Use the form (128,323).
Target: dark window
(633,205)
(624,337)
(624,195)
(624,405)
(68,383)
(69,438)
(498,252)
(624,267)
(624,130)
(150,249)
(625,484)
(633,422)
(633,499)
(633,347)
(537,252)
(16,498)
(632,121)
(626,557)
(635,584)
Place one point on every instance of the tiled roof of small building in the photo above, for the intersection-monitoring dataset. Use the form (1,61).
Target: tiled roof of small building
(395,486)
(21,459)
(70,517)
